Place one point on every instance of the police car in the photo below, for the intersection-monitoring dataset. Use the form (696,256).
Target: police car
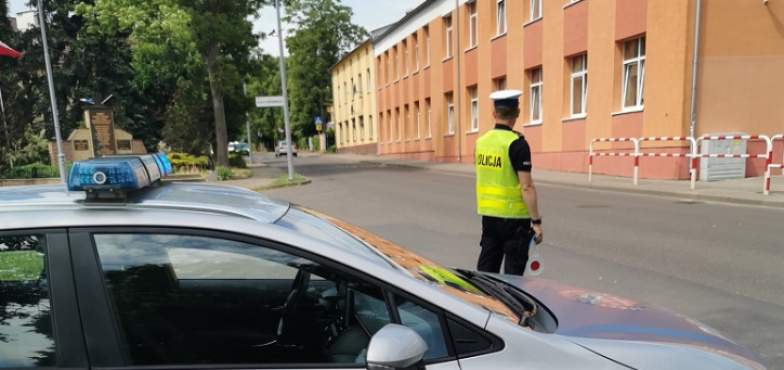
(122,269)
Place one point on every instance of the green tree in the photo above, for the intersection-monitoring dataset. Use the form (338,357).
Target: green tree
(265,81)
(323,35)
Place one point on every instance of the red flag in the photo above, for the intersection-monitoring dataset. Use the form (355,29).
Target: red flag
(7,51)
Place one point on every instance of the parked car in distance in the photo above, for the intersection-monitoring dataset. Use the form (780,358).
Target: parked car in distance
(280,149)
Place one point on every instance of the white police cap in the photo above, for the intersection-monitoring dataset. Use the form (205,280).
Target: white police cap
(506,97)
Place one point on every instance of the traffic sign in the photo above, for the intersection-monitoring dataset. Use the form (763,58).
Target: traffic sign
(318,121)
(318,128)
(269,101)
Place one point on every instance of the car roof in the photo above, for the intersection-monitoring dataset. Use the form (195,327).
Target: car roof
(189,197)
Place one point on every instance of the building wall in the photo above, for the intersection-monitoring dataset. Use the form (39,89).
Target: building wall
(26,20)
(741,65)
(354,114)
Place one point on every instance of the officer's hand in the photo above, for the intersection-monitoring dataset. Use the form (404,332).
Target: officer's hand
(539,233)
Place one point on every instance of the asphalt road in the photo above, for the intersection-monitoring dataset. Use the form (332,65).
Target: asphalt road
(717,263)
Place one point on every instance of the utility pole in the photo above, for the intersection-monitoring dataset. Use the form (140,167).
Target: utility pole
(55,113)
(289,154)
(247,127)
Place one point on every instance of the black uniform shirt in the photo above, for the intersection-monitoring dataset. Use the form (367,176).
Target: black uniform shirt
(519,152)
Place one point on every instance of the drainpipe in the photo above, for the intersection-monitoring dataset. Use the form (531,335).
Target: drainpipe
(693,124)
(458,102)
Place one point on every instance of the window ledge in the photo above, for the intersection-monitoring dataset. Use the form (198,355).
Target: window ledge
(415,73)
(417,139)
(447,59)
(405,77)
(428,138)
(472,132)
(471,48)
(396,81)
(426,67)
(572,3)
(498,36)
(575,117)
(531,22)
(406,141)
(537,123)
(450,135)
(628,110)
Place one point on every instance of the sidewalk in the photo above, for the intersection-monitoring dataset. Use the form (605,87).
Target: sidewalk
(741,191)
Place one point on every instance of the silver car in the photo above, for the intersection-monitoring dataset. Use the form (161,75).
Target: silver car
(282,149)
(125,270)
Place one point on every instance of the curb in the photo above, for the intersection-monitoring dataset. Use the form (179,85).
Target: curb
(699,197)
(288,185)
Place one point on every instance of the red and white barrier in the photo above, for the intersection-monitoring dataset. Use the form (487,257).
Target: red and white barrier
(772,165)
(767,156)
(636,153)
(692,153)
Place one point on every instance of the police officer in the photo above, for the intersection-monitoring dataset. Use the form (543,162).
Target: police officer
(505,192)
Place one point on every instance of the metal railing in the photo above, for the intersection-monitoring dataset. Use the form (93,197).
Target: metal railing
(615,154)
(767,156)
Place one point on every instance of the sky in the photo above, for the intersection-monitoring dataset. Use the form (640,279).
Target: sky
(370,14)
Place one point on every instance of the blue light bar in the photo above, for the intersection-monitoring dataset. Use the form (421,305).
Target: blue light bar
(166,164)
(106,175)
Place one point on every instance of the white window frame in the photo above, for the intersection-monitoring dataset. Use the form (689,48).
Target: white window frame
(500,17)
(389,67)
(448,33)
(397,62)
(582,75)
(407,121)
(537,88)
(419,121)
(472,92)
(637,60)
(429,118)
(369,86)
(370,128)
(354,130)
(405,57)
(535,5)
(416,52)
(399,127)
(359,85)
(427,40)
(450,112)
(500,84)
(473,25)
(389,119)
(362,128)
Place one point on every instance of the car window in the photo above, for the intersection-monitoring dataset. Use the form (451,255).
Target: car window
(26,332)
(183,300)
(426,323)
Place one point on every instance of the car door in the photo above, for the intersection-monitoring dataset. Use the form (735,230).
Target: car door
(191,298)
(39,321)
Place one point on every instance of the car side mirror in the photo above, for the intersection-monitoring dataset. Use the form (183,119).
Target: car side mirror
(396,347)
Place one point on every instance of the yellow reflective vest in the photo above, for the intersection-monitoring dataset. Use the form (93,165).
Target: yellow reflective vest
(498,190)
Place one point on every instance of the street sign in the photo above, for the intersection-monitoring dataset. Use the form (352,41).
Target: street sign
(318,121)
(318,128)
(269,101)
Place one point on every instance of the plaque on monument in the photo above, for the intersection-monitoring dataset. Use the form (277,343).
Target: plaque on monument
(101,123)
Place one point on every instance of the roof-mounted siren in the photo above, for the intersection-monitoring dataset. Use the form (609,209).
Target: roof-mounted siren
(111,178)
(152,165)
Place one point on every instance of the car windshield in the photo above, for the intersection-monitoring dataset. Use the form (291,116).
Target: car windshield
(282,143)
(359,241)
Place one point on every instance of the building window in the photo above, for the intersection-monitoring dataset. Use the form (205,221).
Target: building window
(399,126)
(536,95)
(397,62)
(362,128)
(500,20)
(389,67)
(123,145)
(419,121)
(429,119)
(536,9)
(405,57)
(389,121)
(368,81)
(472,92)
(408,122)
(81,145)
(633,73)
(473,25)
(579,84)
(359,85)
(353,90)
(416,51)
(370,127)
(448,36)
(354,130)
(500,84)
(450,113)
(427,44)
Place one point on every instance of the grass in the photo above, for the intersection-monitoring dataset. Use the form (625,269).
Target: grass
(282,181)
(21,265)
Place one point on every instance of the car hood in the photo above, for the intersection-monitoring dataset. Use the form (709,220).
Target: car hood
(609,324)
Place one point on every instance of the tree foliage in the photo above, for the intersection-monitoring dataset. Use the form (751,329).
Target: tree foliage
(323,35)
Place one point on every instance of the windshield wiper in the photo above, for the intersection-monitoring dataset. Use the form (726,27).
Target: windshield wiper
(501,291)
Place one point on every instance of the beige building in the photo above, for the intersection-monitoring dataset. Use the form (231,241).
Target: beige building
(588,69)
(354,100)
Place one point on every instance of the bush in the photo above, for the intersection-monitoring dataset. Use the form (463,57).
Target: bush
(224,173)
(236,161)
(32,171)
(184,160)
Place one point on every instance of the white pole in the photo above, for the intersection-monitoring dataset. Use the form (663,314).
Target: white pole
(247,127)
(55,113)
(289,154)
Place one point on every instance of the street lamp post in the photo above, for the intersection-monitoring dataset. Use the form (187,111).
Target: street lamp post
(289,154)
(55,113)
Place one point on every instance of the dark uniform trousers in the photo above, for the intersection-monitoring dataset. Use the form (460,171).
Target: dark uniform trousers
(504,237)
